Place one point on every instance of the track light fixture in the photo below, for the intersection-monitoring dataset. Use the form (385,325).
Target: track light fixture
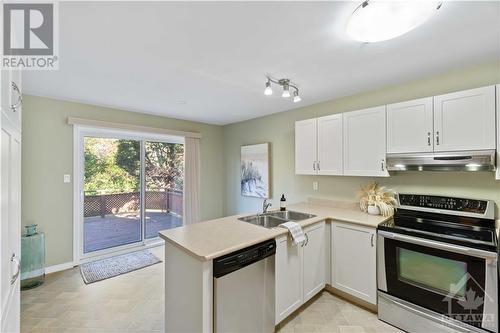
(286,84)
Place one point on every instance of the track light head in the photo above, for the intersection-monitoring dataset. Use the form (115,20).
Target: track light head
(286,91)
(296,97)
(268,91)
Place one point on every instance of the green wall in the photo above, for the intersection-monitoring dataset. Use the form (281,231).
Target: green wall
(278,129)
(48,154)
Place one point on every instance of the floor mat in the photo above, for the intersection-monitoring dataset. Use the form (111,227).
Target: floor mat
(110,267)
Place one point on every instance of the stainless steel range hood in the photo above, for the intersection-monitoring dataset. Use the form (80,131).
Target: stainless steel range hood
(479,160)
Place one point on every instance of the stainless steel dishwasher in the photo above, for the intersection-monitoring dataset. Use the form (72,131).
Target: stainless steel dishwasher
(244,290)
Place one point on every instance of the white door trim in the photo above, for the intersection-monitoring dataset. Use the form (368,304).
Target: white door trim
(77,183)
(79,132)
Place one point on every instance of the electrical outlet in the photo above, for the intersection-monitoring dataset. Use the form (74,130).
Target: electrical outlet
(67,178)
(315,185)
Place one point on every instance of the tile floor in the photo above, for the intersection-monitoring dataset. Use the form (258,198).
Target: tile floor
(328,313)
(134,303)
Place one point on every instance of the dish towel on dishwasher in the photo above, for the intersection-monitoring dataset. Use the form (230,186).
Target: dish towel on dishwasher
(295,230)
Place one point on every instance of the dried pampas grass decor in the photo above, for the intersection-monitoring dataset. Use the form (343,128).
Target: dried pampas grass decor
(379,196)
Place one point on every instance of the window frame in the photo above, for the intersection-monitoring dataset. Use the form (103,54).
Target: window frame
(79,133)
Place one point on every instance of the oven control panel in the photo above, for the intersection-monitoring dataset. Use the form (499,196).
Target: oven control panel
(444,203)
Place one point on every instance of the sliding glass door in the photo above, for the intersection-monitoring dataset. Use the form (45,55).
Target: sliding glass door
(164,175)
(112,200)
(132,188)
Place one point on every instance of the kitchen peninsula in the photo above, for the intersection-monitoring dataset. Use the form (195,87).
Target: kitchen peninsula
(190,251)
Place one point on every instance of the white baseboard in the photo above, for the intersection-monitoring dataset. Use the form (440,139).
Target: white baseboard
(59,267)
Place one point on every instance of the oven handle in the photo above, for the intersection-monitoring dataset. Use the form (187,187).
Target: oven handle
(441,246)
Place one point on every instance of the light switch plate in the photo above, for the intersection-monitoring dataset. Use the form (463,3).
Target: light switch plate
(315,185)
(67,178)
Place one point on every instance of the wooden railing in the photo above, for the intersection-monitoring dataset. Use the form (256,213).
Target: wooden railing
(104,204)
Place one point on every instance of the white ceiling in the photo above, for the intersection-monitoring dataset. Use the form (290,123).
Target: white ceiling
(149,57)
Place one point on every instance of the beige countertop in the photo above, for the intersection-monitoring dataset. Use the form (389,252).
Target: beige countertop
(211,239)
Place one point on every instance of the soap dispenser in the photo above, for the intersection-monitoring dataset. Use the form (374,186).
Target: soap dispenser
(283,203)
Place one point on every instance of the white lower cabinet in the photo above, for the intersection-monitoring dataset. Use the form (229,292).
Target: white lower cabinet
(300,270)
(288,270)
(314,260)
(348,251)
(353,255)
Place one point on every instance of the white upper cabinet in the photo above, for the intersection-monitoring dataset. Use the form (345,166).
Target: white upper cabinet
(305,147)
(410,126)
(465,120)
(356,143)
(330,145)
(318,146)
(365,142)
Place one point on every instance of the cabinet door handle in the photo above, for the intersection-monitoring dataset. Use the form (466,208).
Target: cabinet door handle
(437,138)
(15,106)
(14,259)
(371,240)
(428,138)
(314,166)
(382,165)
(318,166)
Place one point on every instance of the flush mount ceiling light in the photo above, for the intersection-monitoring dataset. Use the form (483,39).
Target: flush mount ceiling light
(286,85)
(378,20)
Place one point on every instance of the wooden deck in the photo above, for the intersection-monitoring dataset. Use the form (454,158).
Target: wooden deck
(114,230)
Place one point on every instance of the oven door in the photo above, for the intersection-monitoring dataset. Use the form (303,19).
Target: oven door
(454,281)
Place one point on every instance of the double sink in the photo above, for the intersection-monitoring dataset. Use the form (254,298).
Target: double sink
(273,219)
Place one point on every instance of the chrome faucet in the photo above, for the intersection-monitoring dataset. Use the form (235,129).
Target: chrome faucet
(265,206)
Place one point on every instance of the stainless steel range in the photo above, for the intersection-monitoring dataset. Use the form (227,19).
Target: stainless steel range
(437,265)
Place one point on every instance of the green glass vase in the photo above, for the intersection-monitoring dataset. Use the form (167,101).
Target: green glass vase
(32,258)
